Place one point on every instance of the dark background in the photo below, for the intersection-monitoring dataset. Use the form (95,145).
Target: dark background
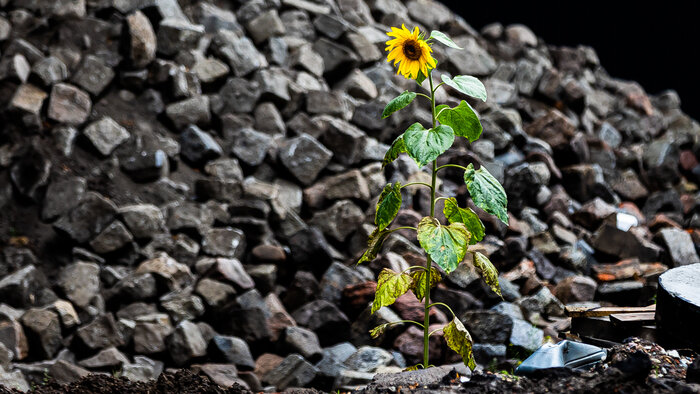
(657,46)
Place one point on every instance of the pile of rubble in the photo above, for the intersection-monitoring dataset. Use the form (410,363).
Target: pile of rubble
(188,184)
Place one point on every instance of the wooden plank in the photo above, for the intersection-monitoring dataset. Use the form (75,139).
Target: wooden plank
(633,319)
(573,311)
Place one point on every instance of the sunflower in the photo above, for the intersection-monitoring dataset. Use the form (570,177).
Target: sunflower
(410,50)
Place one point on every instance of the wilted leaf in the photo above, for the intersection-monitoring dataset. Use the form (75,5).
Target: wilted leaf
(374,243)
(446,245)
(486,192)
(418,285)
(397,147)
(488,272)
(462,119)
(424,145)
(399,102)
(455,214)
(412,368)
(443,39)
(466,84)
(379,330)
(388,205)
(390,286)
(459,340)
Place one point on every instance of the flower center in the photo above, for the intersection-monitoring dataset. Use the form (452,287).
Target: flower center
(412,49)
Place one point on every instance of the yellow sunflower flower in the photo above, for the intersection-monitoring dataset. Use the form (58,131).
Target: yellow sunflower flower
(410,50)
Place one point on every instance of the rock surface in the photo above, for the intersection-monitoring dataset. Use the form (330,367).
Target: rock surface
(189,183)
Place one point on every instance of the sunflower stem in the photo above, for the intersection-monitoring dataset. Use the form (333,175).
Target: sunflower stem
(428,261)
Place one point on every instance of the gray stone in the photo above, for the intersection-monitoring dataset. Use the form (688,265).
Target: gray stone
(326,102)
(149,337)
(274,85)
(177,275)
(44,328)
(267,24)
(335,56)
(214,19)
(80,282)
(101,333)
(234,350)
(25,287)
(214,293)
(488,326)
(239,52)
(50,70)
(177,34)
(15,67)
(93,75)
(198,147)
(293,371)
(358,85)
(210,69)
(109,358)
(226,242)
(366,50)
(142,43)
(303,341)
(87,219)
(62,195)
(143,220)
(105,135)
(680,247)
(304,157)
(224,375)
(526,336)
(429,13)
(63,137)
(325,319)
(191,111)
(307,59)
(142,369)
(186,343)
(182,305)
(339,220)
(28,101)
(269,120)
(14,380)
(251,146)
(69,104)
(238,95)
(344,140)
(229,269)
(472,60)
(368,359)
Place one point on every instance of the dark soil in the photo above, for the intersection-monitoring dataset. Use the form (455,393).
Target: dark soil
(183,382)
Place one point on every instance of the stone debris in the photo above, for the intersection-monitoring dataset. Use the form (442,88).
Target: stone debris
(189,184)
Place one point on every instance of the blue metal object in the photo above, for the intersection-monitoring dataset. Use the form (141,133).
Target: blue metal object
(563,354)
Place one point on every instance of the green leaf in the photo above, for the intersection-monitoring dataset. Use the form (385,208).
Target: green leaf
(390,286)
(462,119)
(424,145)
(374,243)
(486,192)
(488,272)
(455,214)
(379,330)
(421,77)
(442,38)
(466,84)
(399,102)
(418,285)
(412,368)
(388,205)
(459,340)
(397,147)
(446,245)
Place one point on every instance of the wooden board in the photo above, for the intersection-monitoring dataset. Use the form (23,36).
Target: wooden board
(633,319)
(573,311)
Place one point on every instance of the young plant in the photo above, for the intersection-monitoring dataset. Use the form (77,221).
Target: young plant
(446,245)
